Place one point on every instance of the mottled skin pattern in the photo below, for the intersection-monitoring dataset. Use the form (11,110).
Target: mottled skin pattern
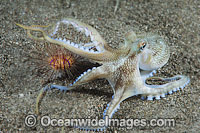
(126,68)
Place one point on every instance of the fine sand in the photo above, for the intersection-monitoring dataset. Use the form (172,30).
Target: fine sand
(178,21)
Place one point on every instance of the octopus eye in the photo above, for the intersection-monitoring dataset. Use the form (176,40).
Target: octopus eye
(142,45)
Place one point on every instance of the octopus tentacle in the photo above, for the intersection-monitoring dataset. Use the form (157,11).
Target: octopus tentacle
(90,74)
(43,92)
(114,104)
(147,74)
(87,29)
(157,91)
(33,28)
(111,108)
(87,76)
(34,37)
(103,52)
(96,38)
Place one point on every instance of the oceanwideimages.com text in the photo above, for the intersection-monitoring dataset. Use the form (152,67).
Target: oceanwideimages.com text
(128,123)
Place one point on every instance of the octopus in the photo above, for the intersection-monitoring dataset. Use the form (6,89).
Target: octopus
(127,68)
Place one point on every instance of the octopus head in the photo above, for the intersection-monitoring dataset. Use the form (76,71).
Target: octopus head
(134,44)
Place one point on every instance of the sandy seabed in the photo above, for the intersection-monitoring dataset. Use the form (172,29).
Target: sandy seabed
(178,21)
